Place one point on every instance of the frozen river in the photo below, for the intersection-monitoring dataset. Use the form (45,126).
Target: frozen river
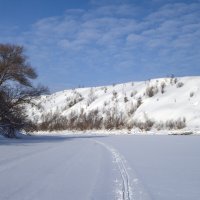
(101,168)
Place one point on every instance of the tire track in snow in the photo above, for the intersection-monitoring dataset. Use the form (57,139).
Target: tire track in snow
(131,187)
(126,186)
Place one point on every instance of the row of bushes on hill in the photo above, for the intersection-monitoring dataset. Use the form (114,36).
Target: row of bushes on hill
(112,119)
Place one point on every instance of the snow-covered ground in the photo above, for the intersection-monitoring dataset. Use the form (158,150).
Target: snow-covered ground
(105,167)
(161,100)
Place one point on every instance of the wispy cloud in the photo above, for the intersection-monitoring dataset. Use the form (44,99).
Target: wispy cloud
(115,37)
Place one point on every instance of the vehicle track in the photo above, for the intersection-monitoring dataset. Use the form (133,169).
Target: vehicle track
(120,162)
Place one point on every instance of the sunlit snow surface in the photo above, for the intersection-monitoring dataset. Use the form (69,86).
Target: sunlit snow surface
(102,168)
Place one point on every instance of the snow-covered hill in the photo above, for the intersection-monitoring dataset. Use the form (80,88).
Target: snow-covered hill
(164,103)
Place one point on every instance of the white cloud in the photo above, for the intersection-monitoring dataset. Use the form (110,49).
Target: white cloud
(116,25)
(135,38)
(116,36)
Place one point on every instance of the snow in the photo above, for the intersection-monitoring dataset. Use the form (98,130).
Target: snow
(85,167)
(167,166)
(55,168)
(175,103)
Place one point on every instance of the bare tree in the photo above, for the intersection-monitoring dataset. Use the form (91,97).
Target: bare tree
(16,88)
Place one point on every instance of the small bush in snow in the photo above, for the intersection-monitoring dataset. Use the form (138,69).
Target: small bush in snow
(132,109)
(114,119)
(151,91)
(105,103)
(159,126)
(175,80)
(163,85)
(131,94)
(104,89)
(176,124)
(114,95)
(125,99)
(77,97)
(179,84)
(139,102)
(91,97)
(72,103)
(145,126)
(191,94)
(91,120)
(172,77)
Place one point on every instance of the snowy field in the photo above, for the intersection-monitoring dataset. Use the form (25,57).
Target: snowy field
(102,168)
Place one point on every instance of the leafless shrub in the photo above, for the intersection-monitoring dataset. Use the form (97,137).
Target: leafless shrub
(77,97)
(125,99)
(191,94)
(173,80)
(89,121)
(163,85)
(72,103)
(91,97)
(132,109)
(105,89)
(114,122)
(139,102)
(172,77)
(146,125)
(151,91)
(114,95)
(179,84)
(130,125)
(74,121)
(159,126)
(71,118)
(176,124)
(114,119)
(105,103)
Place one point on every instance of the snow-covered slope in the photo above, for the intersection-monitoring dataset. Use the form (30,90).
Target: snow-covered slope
(159,103)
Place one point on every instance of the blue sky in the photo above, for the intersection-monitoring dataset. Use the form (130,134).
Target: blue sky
(98,42)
